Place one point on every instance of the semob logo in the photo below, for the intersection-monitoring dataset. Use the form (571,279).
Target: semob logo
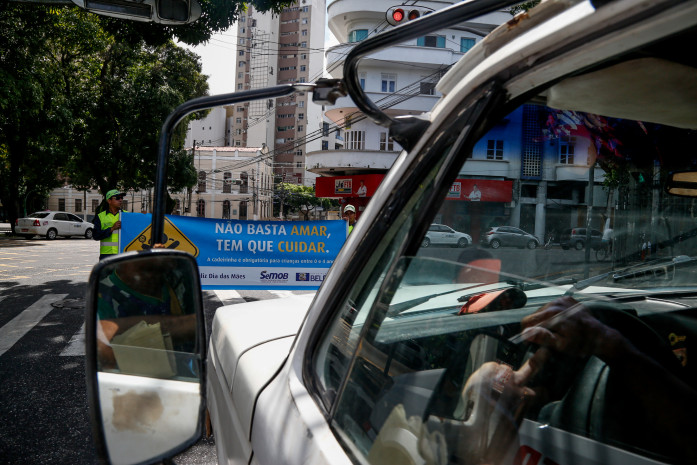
(275,277)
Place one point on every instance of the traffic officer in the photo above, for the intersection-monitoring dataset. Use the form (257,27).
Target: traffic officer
(350,214)
(107,225)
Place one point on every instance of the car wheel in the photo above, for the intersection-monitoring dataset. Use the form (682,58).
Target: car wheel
(462,242)
(88,233)
(532,244)
(579,245)
(495,244)
(51,234)
(426,242)
(27,236)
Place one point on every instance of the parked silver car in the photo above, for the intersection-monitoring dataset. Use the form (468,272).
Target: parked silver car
(53,224)
(440,234)
(510,237)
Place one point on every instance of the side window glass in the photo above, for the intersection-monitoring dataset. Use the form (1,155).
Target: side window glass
(490,353)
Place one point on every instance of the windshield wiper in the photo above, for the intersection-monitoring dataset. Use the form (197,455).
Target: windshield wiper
(646,270)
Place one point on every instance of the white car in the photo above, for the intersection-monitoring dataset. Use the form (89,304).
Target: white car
(551,362)
(52,224)
(440,234)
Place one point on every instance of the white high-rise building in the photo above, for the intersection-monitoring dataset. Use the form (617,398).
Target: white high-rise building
(401,79)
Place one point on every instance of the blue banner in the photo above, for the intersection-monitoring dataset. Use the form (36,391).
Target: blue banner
(234,254)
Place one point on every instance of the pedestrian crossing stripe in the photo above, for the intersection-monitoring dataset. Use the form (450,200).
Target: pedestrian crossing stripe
(174,239)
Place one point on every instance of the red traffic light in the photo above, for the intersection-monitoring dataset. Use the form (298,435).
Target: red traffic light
(398,15)
(414,14)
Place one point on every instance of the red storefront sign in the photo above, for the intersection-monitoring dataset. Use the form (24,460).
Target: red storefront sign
(360,185)
(481,190)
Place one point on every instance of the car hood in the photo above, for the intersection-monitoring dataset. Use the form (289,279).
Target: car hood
(249,343)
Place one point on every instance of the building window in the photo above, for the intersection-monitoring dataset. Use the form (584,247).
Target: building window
(357,35)
(361,80)
(244,182)
(202,181)
(238,143)
(299,153)
(177,207)
(95,204)
(494,149)
(242,41)
(303,68)
(304,21)
(299,164)
(301,127)
(226,209)
(78,205)
(239,86)
(124,205)
(431,41)
(566,150)
(303,44)
(325,129)
(301,115)
(238,120)
(238,132)
(466,44)
(241,53)
(61,204)
(356,140)
(427,88)
(227,182)
(303,32)
(337,146)
(386,143)
(240,109)
(388,82)
(325,145)
(303,56)
(240,75)
(241,64)
(201,208)
(301,104)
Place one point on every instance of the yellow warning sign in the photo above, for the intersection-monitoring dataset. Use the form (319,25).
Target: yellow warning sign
(174,239)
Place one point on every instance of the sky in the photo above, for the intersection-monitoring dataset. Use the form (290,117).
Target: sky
(218,59)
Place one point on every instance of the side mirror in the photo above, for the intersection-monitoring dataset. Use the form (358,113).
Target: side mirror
(145,353)
(171,12)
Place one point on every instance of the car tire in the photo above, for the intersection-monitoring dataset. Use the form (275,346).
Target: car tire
(426,242)
(462,243)
(88,233)
(51,234)
(579,245)
(495,244)
(532,244)
(27,236)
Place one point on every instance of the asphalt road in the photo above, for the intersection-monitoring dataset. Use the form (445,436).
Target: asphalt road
(43,403)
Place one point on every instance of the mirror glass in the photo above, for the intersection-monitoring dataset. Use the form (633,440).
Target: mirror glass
(148,362)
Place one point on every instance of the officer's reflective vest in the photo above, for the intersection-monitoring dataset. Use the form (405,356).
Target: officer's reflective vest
(109,245)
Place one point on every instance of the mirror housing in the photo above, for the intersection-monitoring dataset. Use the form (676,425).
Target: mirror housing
(171,12)
(145,356)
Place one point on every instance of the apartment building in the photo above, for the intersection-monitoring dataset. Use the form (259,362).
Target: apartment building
(399,79)
(273,50)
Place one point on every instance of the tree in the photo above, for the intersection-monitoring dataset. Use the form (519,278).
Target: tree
(301,199)
(80,103)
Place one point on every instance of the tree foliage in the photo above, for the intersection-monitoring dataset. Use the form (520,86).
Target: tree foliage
(298,198)
(80,103)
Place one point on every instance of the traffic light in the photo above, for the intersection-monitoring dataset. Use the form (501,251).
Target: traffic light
(401,14)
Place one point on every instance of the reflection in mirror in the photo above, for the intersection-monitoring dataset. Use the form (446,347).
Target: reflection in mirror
(147,354)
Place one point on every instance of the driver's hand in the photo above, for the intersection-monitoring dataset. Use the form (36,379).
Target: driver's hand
(566,326)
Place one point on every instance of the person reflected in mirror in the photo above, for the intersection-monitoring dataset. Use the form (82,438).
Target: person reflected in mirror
(480,267)
(152,291)
(107,225)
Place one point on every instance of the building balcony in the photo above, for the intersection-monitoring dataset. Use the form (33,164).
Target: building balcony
(396,55)
(346,162)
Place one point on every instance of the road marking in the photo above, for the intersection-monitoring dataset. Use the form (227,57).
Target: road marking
(228,296)
(25,321)
(76,345)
